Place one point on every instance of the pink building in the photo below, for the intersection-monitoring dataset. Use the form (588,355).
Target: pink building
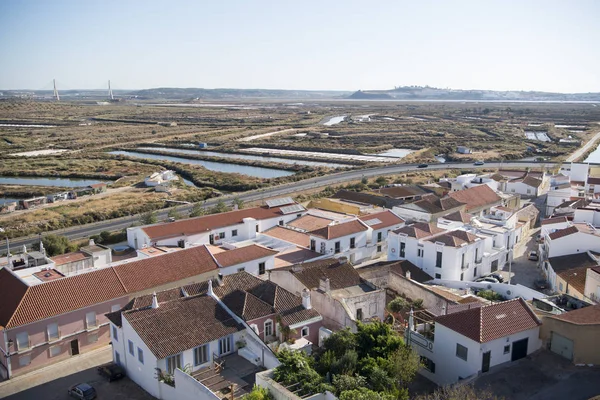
(60,317)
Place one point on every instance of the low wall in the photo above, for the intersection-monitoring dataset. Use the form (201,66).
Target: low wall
(504,289)
(186,388)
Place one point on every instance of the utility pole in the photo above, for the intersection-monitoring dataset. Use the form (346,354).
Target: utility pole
(56,96)
(110,93)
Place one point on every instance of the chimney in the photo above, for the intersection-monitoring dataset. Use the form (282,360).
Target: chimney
(220,279)
(154,300)
(306,299)
(210,288)
(407,275)
(445,309)
(184,292)
(24,250)
(324,285)
(91,242)
(42,248)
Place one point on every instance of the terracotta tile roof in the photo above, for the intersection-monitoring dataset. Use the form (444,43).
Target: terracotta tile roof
(170,267)
(243,254)
(593,180)
(469,299)
(399,192)
(527,213)
(487,323)
(48,275)
(531,181)
(563,232)
(444,292)
(574,203)
(554,220)
(583,316)
(511,173)
(289,235)
(69,258)
(191,226)
(420,230)
(399,268)
(340,274)
(432,204)
(387,219)
(182,324)
(339,230)
(13,290)
(459,216)
(475,197)
(596,269)
(310,222)
(454,238)
(367,198)
(575,278)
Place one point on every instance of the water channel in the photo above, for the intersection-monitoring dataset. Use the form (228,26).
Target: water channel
(211,165)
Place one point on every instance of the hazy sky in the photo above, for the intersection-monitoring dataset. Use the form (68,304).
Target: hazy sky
(344,45)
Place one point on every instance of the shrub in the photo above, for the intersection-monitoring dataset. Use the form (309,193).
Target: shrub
(258,393)
(398,304)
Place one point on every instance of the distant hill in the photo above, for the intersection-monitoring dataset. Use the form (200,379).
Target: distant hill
(429,93)
(223,94)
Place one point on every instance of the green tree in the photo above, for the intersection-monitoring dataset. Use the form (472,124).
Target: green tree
(459,392)
(258,393)
(198,210)
(220,207)
(173,213)
(381,181)
(340,342)
(398,304)
(149,218)
(404,365)
(238,202)
(343,383)
(364,180)
(56,245)
(377,339)
(367,394)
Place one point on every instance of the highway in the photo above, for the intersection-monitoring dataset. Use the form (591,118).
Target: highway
(84,231)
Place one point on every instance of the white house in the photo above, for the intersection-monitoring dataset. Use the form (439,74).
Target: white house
(253,259)
(381,224)
(568,274)
(428,209)
(465,343)
(576,238)
(347,239)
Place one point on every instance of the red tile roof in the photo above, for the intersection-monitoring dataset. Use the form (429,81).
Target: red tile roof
(563,232)
(207,223)
(289,235)
(475,197)
(459,216)
(310,222)
(554,220)
(387,219)
(487,323)
(243,254)
(70,257)
(575,278)
(12,291)
(583,316)
(420,230)
(340,230)
(340,274)
(454,238)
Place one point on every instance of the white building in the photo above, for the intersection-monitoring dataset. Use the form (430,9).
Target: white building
(473,341)
(380,225)
(344,239)
(160,178)
(254,259)
(428,209)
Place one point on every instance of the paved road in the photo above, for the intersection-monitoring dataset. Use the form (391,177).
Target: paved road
(88,230)
(582,150)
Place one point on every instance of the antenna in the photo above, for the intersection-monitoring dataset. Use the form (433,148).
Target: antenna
(56,96)
(110,93)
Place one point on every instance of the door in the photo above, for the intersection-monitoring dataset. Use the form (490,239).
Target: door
(485,362)
(211,239)
(313,244)
(74,347)
(225,345)
(519,349)
(561,346)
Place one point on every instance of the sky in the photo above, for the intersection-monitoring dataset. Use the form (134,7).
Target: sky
(349,45)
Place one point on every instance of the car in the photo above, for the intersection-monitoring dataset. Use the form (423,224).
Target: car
(83,391)
(487,279)
(497,276)
(533,256)
(540,284)
(111,371)
(478,163)
(422,165)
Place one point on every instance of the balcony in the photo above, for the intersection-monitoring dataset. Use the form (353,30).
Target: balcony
(229,374)
(479,262)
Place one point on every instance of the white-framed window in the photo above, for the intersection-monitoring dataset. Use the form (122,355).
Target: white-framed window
(461,351)
(115,307)
(90,320)
(304,332)
(115,334)
(173,362)
(131,347)
(225,345)
(507,349)
(438,276)
(23,341)
(54,351)
(53,333)
(92,338)
(140,355)
(262,268)
(241,269)
(24,360)
(268,328)
(200,355)
(221,235)
(234,233)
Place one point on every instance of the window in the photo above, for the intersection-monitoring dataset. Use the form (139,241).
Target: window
(24,360)
(359,314)
(438,276)
(173,362)
(462,260)
(477,260)
(115,307)
(221,235)
(200,355)
(280,222)
(461,351)
(140,355)
(420,253)
(379,236)
(90,319)
(53,333)
(373,308)
(402,249)
(462,276)
(261,268)
(241,269)
(352,243)
(92,338)
(507,349)
(225,345)
(54,351)
(428,364)
(117,358)
(474,272)
(131,348)
(22,341)
(304,331)
(337,247)
(438,259)
(379,249)
(234,233)
(268,328)
(256,228)
(115,334)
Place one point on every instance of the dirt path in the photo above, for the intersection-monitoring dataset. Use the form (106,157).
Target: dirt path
(583,149)
(262,135)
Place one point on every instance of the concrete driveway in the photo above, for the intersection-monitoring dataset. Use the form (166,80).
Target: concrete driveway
(541,376)
(522,270)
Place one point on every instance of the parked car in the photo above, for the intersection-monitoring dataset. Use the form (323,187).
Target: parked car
(111,371)
(497,276)
(478,163)
(422,165)
(540,284)
(487,279)
(533,256)
(83,391)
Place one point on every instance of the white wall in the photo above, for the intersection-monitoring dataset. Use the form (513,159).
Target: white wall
(187,388)
(521,188)
(578,242)
(592,285)
(506,290)
(250,266)
(412,215)
(360,240)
